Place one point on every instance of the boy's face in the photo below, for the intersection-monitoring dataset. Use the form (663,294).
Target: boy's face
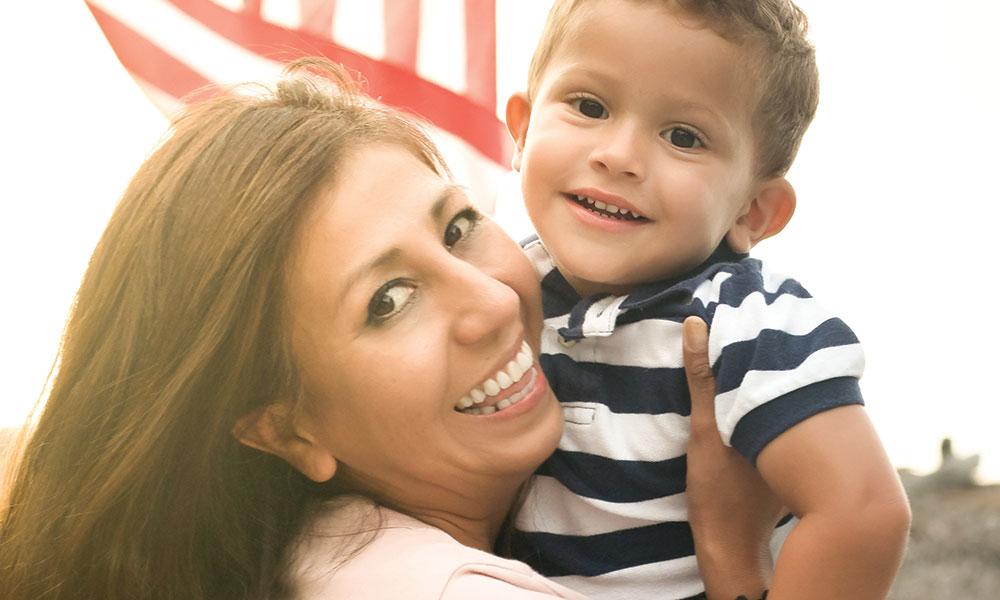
(644,110)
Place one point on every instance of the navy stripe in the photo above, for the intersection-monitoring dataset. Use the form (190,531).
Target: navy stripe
(556,555)
(734,290)
(558,296)
(616,480)
(775,350)
(623,389)
(766,422)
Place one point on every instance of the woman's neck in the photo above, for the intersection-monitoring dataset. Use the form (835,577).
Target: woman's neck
(473,517)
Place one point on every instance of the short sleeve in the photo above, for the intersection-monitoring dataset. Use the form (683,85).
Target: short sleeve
(779,357)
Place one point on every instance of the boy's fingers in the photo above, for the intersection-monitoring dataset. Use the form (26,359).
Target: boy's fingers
(701,380)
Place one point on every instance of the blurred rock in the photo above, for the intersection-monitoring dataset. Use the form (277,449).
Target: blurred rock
(954,549)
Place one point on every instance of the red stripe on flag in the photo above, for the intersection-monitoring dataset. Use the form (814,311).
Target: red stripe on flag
(147,60)
(402,29)
(459,115)
(481,51)
(317,16)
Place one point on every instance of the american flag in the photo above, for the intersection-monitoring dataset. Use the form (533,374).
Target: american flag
(432,58)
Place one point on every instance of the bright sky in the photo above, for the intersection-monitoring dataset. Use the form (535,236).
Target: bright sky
(896,181)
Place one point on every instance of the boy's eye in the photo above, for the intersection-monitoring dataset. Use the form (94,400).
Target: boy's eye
(683,138)
(590,108)
(389,300)
(460,226)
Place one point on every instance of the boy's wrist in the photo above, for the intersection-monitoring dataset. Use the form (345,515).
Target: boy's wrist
(733,573)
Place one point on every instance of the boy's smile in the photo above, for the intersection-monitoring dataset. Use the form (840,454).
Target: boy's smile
(637,156)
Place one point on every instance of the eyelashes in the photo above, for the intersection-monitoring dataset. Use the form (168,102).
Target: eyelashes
(589,107)
(389,300)
(683,137)
(394,296)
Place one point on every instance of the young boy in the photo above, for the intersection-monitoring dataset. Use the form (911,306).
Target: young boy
(652,144)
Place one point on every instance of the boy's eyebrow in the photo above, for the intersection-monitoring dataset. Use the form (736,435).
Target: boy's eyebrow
(393,253)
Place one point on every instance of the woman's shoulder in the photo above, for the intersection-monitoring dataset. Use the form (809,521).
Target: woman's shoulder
(352,548)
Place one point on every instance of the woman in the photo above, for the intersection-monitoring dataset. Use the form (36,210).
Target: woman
(294,274)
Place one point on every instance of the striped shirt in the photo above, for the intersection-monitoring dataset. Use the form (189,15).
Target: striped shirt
(606,515)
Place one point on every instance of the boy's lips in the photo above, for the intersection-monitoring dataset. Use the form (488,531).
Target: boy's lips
(606,204)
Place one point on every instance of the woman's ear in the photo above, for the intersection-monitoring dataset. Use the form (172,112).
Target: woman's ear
(518,115)
(270,429)
(767,213)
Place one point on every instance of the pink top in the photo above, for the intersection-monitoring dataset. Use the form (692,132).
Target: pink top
(403,558)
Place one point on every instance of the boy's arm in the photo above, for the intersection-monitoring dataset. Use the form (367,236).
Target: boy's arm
(832,472)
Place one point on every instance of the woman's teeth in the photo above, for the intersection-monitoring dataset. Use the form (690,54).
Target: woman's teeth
(512,373)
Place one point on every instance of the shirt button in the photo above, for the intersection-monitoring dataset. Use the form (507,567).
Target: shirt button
(566,343)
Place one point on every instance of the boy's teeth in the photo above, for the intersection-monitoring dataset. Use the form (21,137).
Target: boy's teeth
(512,373)
(611,208)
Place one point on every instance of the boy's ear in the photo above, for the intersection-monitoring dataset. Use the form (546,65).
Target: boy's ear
(518,115)
(767,214)
(270,429)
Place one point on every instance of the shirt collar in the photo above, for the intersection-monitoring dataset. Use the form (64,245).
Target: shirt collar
(596,314)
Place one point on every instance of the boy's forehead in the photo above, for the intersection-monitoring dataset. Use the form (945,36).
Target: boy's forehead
(584,15)
(603,35)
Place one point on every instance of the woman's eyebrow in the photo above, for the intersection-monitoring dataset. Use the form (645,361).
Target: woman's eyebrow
(447,193)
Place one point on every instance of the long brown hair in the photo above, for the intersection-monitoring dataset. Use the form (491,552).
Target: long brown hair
(131,485)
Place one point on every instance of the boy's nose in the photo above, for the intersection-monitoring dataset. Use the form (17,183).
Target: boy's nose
(483,305)
(620,153)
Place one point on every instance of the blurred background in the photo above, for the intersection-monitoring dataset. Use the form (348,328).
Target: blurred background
(898,201)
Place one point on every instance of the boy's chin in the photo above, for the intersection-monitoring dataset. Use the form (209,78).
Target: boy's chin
(589,280)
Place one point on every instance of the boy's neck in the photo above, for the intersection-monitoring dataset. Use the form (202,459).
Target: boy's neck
(584,288)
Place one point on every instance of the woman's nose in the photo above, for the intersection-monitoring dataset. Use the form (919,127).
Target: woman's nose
(484,305)
(619,152)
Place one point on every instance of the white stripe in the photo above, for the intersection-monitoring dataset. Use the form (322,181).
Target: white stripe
(591,427)
(360,26)
(441,51)
(772,280)
(791,314)
(677,578)
(650,343)
(552,508)
(163,101)
(282,13)
(708,290)
(191,42)
(759,387)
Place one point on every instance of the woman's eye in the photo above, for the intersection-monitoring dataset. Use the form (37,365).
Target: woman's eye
(683,138)
(460,226)
(389,300)
(590,108)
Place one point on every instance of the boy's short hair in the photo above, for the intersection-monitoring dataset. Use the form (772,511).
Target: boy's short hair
(785,65)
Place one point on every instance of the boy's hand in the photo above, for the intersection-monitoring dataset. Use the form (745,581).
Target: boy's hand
(731,510)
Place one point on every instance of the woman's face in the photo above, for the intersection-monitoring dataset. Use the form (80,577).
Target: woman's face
(405,306)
